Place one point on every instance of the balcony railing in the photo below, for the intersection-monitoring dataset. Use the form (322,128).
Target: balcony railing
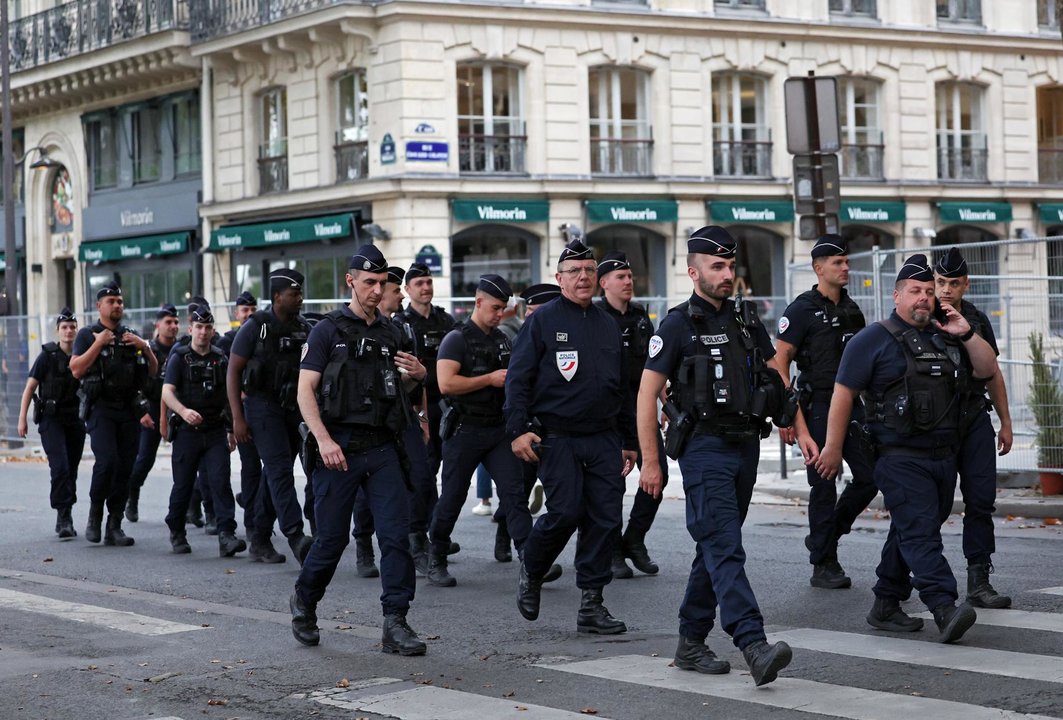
(273,166)
(1050,164)
(741,158)
(967,162)
(960,11)
(859,8)
(85,25)
(632,157)
(352,161)
(862,161)
(492,153)
(216,18)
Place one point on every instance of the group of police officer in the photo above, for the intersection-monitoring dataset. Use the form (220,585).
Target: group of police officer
(375,399)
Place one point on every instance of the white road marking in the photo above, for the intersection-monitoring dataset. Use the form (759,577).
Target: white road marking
(1051,591)
(92,614)
(1048,622)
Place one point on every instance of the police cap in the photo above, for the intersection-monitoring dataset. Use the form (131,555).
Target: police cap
(194,302)
(166,310)
(712,240)
(201,313)
(283,278)
(246,298)
(368,258)
(829,246)
(612,260)
(952,264)
(541,293)
(417,270)
(916,268)
(495,286)
(65,315)
(109,289)
(575,250)
(396,274)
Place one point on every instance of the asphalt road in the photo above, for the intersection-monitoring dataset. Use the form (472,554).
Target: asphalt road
(88,631)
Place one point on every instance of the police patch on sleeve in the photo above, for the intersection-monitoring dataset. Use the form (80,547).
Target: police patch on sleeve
(784,324)
(304,351)
(656,345)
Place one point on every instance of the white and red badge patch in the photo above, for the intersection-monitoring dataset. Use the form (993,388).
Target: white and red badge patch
(656,345)
(784,324)
(567,363)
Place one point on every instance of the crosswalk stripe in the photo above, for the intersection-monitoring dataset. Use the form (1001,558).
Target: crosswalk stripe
(787,693)
(1020,619)
(1051,591)
(953,657)
(427,702)
(92,614)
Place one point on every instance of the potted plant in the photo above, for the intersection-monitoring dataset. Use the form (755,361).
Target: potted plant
(1046,402)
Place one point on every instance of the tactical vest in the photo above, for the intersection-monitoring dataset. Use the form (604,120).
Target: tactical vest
(483,355)
(119,373)
(725,384)
(636,329)
(203,383)
(832,327)
(153,391)
(272,371)
(362,386)
(925,405)
(59,388)
(430,332)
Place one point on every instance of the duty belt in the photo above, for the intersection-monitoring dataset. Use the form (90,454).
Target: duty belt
(366,438)
(935,453)
(728,431)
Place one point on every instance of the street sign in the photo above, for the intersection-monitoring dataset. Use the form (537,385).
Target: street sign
(812,227)
(816,178)
(811,115)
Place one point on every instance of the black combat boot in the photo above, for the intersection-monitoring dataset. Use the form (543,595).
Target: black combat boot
(693,655)
(114,535)
(210,523)
(765,661)
(979,592)
(593,616)
(419,550)
(300,545)
(262,550)
(829,575)
(453,548)
(132,505)
(634,546)
(503,542)
(620,569)
(64,525)
(179,542)
(437,570)
(554,573)
(954,621)
(229,544)
(528,594)
(194,516)
(304,621)
(886,614)
(365,562)
(92,528)
(399,638)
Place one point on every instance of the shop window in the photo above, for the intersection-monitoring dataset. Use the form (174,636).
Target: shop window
(853,8)
(759,270)
(508,251)
(324,280)
(273,145)
(491,134)
(741,138)
(352,127)
(144,143)
(645,253)
(862,239)
(961,139)
(186,135)
(621,132)
(1055,280)
(862,147)
(960,11)
(102,135)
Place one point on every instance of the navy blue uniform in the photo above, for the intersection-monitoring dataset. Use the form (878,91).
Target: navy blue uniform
(567,372)
(430,332)
(718,479)
(819,330)
(917,476)
(373,466)
(150,438)
(62,432)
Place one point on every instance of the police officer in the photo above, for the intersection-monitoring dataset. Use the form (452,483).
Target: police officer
(113,364)
(913,370)
(618,287)
(244,307)
(166,328)
(814,330)
(977,463)
(352,392)
(714,352)
(264,363)
(194,391)
(55,410)
(535,296)
(564,391)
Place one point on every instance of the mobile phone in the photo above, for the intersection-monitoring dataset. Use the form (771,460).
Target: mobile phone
(939,312)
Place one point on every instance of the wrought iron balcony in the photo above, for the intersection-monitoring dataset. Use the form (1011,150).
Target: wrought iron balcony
(1050,164)
(968,162)
(85,25)
(491,153)
(741,158)
(862,161)
(273,166)
(352,161)
(632,157)
(216,18)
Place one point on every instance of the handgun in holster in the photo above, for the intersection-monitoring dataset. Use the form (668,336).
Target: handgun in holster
(38,409)
(448,423)
(308,450)
(173,421)
(680,428)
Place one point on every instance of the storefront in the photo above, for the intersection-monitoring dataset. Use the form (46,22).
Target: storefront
(500,239)
(970,223)
(622,225)
(866,224)
(761,259)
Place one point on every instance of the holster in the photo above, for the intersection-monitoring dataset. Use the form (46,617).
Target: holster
(173,421)
(448,424)
(308,450)
(84,405)
(38,411)
(680,428)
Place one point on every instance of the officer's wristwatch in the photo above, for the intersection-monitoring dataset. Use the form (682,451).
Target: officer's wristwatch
(967,335)
(422,416)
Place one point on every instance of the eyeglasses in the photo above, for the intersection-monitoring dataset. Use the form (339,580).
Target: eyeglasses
(575,272)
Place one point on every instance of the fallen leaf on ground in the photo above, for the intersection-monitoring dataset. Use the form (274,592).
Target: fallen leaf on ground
(48,559)
(344,683)
(588,711)
(216,701)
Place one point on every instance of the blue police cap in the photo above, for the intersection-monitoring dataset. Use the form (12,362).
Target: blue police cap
(201,313)
(541,293)
(952,264)
(418,270)
(712,240)
(575,250)
(916,268)
(246,298)
(109,289)
(612,261)
(396,274)
(166,310)
(829,246)
(368,258)
(283,278)
(495,286)
(194,302)
(65,315)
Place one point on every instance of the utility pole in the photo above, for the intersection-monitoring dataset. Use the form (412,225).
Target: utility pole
(11,271)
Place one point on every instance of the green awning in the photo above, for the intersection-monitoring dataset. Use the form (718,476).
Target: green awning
(638,211)
(1051,213)
(751,211)
(134,248)
(506,211)
(974,212)
(872,211)
(283,232)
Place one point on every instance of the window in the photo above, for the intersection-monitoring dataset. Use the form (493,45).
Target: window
(1046,14)
(510,251)
(961,140)
(490,119)
(741,138)
(102,137)
(1050,134)
(186,135)
(863,8)
(273,148)
(960,11)
(741,4)
(621,135)
(352,127)
(862,149)
(144,143)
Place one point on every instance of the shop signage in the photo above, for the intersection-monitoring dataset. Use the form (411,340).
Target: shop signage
(632,211)
(282,232)
(510,211)
(872,211)
(134,248)
(387,150)
(430,257)
(150,209)
(427,151)
(974,212)
(1051,213)
(751,211)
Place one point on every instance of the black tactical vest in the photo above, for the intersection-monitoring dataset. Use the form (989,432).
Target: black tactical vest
(59,388)
(483,355)
(833,326)
(430,332)
(272,371)
(203,383)
(121,371)
(361,386)
(636,329)
(153,391)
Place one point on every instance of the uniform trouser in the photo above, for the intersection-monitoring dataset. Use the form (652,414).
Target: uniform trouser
(63,440)
(529,473)
(377,473)
(918,493)
(435,444)
(276,434)
(978,484)
(423,495)
(259,514)
(114,442)
(644,507)
(147,450)
(210,449)
(718,479)
(830,517)
(584,492)
(201,491)
(462,453)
